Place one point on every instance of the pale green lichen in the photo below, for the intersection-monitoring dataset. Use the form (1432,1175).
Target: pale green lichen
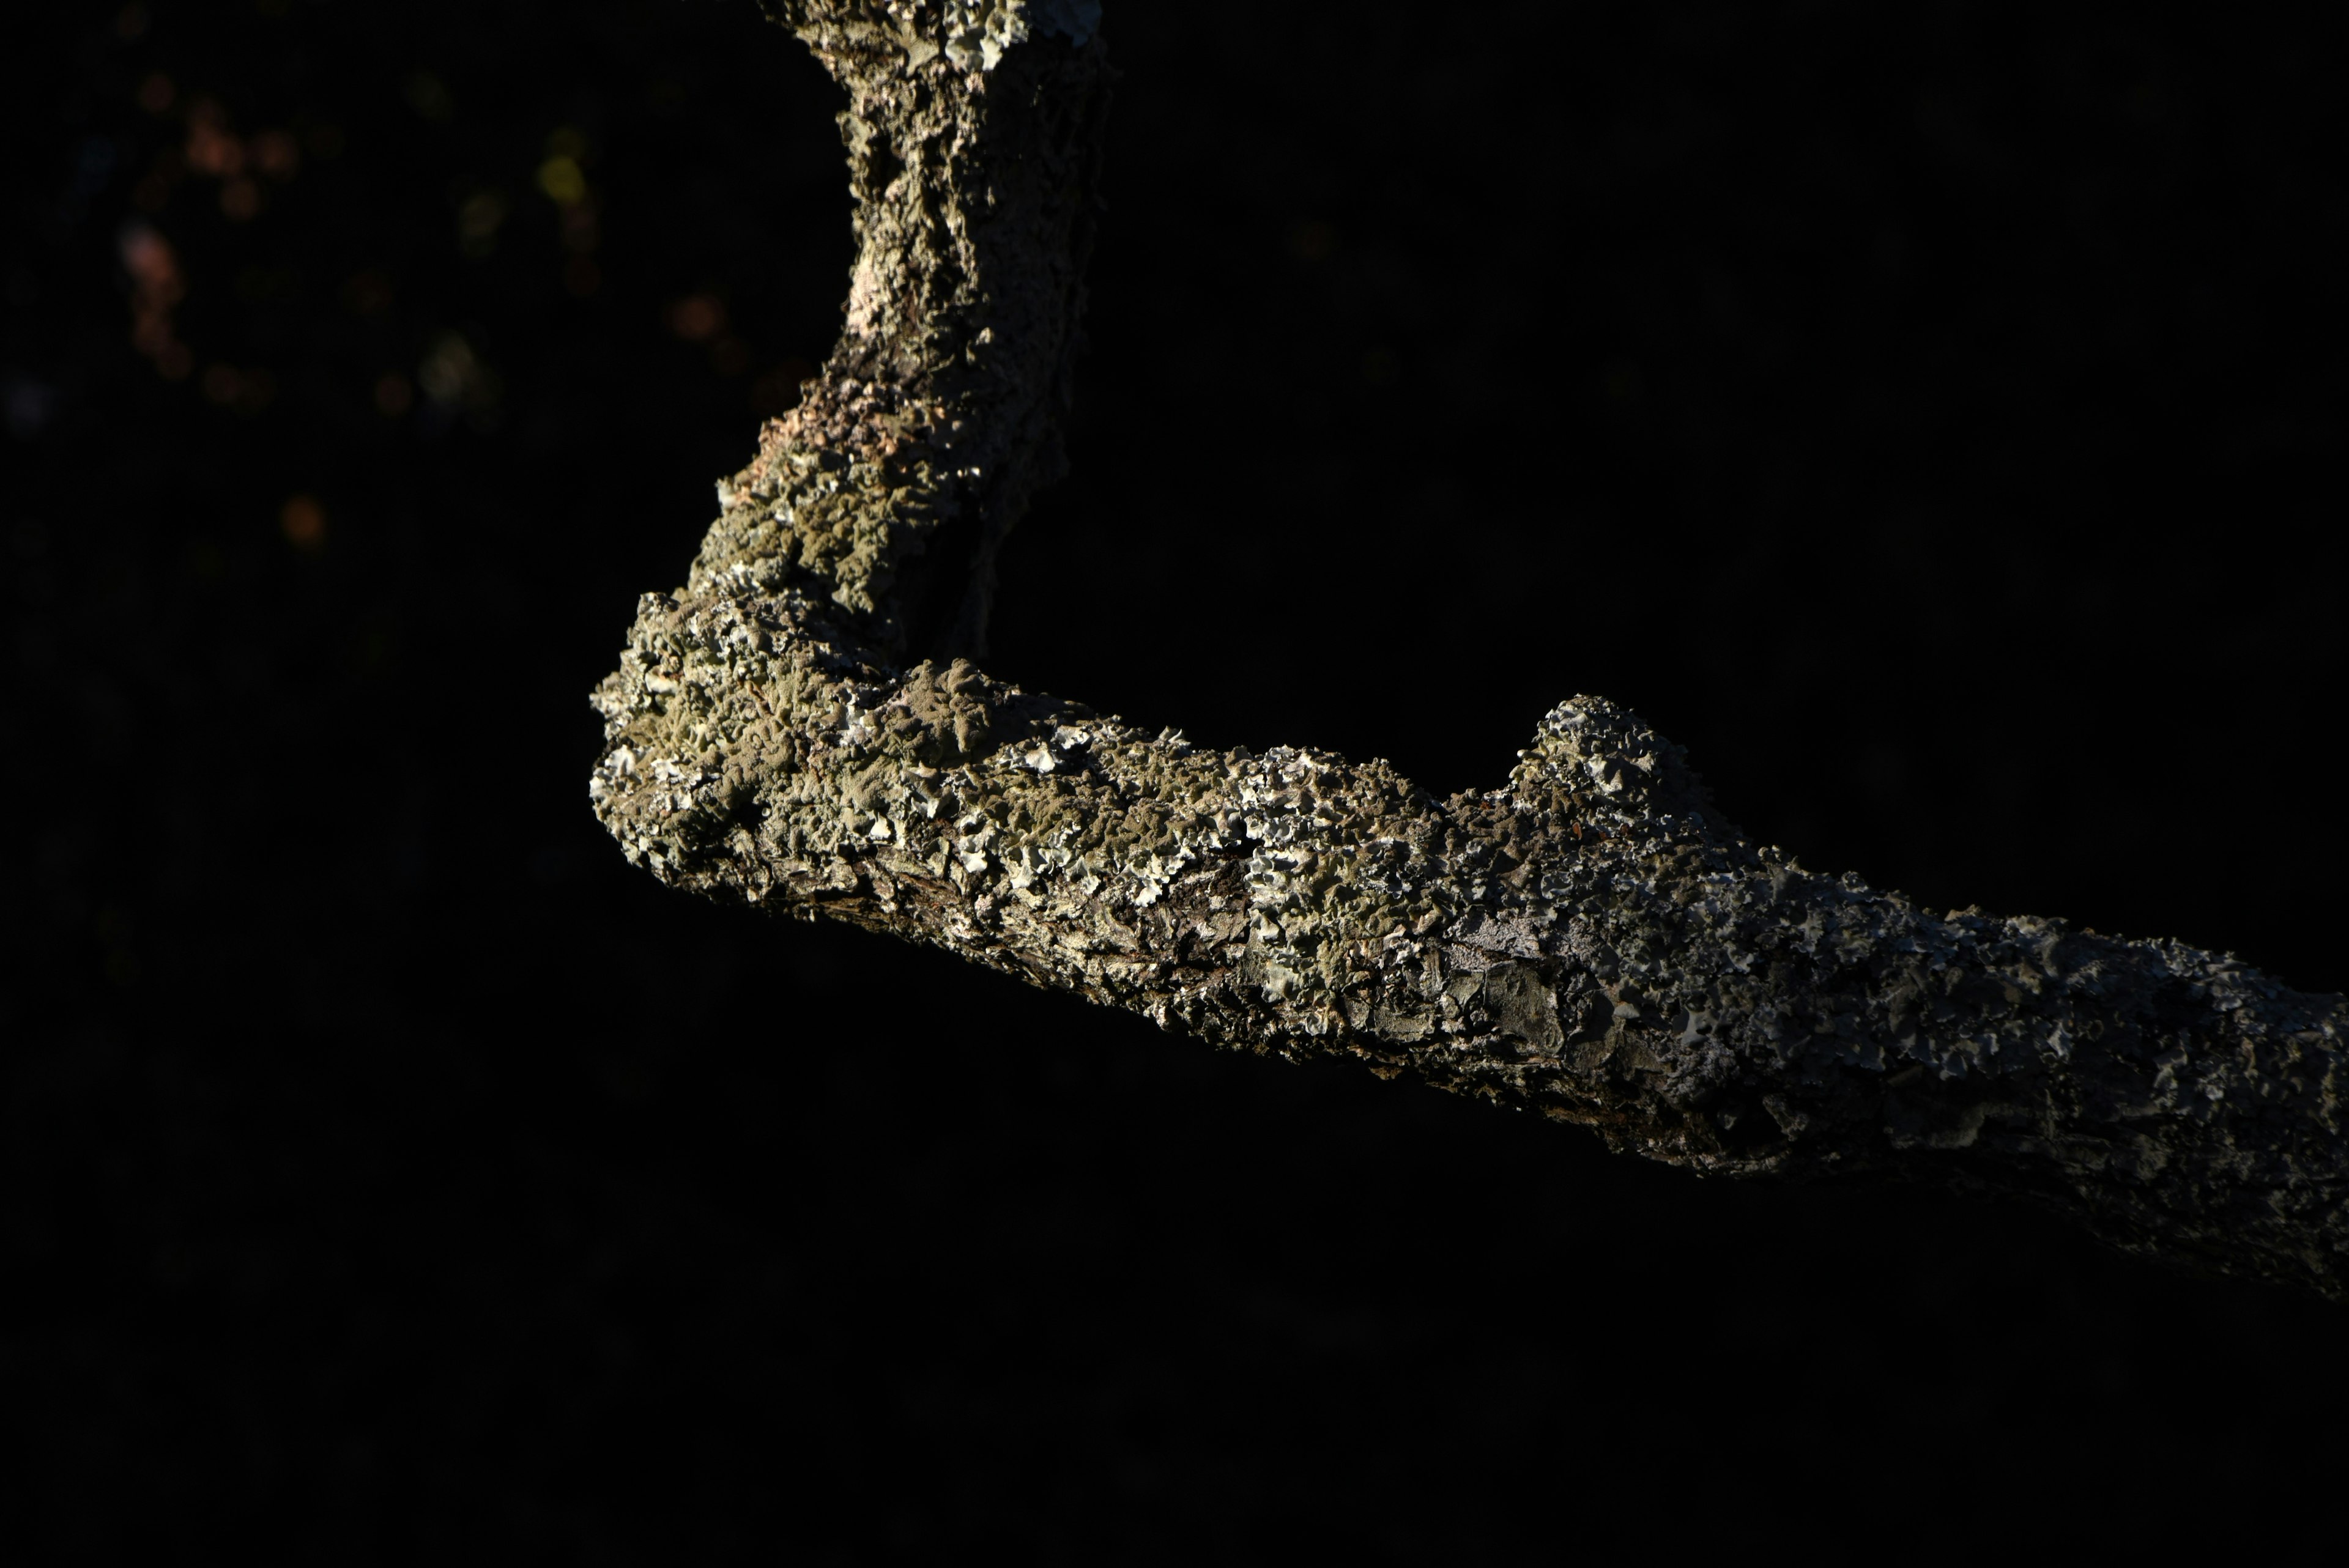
(1592,940)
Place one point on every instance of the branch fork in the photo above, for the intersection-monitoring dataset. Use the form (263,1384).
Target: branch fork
(801,727)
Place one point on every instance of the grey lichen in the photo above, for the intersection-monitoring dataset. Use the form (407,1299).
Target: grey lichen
(1592,941)
(897,478)
(977,32)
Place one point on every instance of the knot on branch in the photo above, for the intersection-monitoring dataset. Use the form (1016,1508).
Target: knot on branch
(1598,762)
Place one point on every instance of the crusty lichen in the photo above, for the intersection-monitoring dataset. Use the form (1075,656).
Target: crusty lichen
(1592,940)
(971,163)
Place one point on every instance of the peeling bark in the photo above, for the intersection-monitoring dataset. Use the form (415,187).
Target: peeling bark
(795,730)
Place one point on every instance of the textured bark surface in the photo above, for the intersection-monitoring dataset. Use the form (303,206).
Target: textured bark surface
(792,729)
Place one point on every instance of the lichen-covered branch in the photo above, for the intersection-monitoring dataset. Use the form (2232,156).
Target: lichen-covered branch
(792,729)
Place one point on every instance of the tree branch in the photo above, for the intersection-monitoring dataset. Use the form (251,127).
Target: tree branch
(791,729)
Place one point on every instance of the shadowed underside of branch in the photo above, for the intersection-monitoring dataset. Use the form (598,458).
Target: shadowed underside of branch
(793,729)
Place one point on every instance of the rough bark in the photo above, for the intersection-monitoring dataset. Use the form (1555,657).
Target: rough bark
(1592,940)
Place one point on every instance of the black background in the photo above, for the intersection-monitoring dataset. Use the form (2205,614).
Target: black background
(1929,414)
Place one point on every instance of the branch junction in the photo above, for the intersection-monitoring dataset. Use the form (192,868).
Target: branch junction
(801,727)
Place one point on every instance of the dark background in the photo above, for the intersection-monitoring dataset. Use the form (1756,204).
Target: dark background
(1929,414)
